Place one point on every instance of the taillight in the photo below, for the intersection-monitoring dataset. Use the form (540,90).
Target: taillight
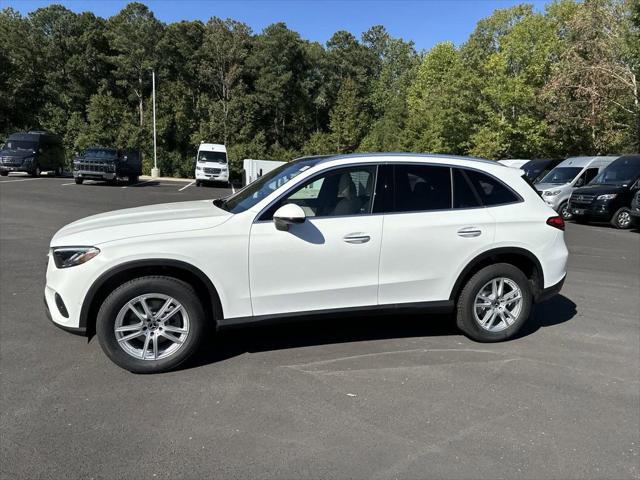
(556,222)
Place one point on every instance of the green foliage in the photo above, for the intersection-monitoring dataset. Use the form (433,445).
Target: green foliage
(525,84)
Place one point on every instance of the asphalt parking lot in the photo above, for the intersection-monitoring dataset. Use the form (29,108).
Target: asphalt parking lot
(381,397)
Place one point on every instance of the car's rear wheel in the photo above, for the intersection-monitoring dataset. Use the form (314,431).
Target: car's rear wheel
(622,219)
(133,179)
(494,303)
(78,180)
(151,324)
(4,173)
(58,171)
(36,172)
(564,211)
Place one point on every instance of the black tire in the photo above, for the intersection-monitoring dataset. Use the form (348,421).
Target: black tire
(118,299)
(4,173)
(36,172)
(198,183)
(465,317)
(78,180)
(622,219)
(58,172)
(133,179)
(564,212)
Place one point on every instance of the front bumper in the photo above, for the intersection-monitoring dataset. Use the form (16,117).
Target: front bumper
(13,168)
(596,209)
(92,175)
(75,330)
(212,177)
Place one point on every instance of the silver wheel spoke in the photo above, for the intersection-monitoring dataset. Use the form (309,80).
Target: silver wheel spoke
(130,336)
(133,308)
(146,346)
(164,308)
(171,337)
(147,312)
(171,313)
(514,299)
(155,347)
(128,328)
(171,328)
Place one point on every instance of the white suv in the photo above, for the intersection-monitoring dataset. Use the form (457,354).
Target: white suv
(317,235)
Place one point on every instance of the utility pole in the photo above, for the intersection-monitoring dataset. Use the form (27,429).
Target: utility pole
(155,172)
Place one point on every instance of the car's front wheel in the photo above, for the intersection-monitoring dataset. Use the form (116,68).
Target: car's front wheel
(622,219)
(564,211)
(494,303)
(151,324)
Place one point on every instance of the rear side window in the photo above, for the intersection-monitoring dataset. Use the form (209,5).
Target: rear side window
(422,188)
(490,190)
(464,193)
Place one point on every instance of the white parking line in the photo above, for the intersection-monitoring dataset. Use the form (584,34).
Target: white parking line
(21,180)
(187,186)
(233,190)
(139,183)
(72,183)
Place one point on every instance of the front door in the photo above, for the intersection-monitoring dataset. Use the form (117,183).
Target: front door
(328,262)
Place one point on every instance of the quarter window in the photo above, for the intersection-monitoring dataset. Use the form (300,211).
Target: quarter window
(422,188)
(490,190)
(464,193)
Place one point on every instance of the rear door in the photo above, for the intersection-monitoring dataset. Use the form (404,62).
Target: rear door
(435,223)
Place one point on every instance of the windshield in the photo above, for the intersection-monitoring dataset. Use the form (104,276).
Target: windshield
(262,187)
(21,145)
(621,172)
(204,156)
(561,175)
(536,169)
(100,153)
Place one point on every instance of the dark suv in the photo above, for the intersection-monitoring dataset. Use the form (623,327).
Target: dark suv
(608,196)
(110,164)
(32,152)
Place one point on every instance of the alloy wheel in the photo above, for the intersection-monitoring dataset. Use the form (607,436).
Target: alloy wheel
(152,326)
(624,219)
(498,304)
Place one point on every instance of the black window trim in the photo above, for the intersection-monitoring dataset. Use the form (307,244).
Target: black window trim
(258,218)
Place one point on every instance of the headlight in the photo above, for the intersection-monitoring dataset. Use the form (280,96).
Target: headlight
(551,193)
(198,168)
(65,257)
(607,196)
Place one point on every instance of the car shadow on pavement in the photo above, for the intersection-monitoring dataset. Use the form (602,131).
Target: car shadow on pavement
(356,328)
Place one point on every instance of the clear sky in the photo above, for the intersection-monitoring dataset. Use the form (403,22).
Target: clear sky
(426,22)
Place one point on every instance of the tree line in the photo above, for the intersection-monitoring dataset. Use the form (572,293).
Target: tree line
(525,84)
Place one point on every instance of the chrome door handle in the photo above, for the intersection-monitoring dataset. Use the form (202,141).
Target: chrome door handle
(356,238)
(469,232)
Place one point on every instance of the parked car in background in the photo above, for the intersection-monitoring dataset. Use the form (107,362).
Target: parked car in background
(318,235)
(513,162)
(557,185)
(608,197)
(212,164)
(32,152)
(537,168)
(254,169)
(109,164)
(635,208)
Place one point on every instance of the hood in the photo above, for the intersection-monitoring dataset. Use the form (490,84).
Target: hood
(139,222)
(541,187)
(599,189)
(17,154)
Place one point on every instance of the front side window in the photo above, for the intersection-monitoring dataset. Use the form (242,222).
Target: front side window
(621,172)
(339,192)
(422,188)
(21,145)
(561,175)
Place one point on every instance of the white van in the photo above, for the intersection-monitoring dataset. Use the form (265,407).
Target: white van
(212,164)
(557,185)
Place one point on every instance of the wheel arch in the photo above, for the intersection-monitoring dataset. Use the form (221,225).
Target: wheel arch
(119,274)
(518,257)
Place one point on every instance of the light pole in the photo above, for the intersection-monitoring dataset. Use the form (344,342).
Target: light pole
(155,172)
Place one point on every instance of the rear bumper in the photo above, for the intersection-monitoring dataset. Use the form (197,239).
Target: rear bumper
(549,292)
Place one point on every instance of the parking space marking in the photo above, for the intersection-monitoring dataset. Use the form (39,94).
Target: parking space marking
(233,190)
(140,183)
(64,184)
(21,180)
(187,186)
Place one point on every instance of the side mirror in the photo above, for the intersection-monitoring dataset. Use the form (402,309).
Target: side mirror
(287,215)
